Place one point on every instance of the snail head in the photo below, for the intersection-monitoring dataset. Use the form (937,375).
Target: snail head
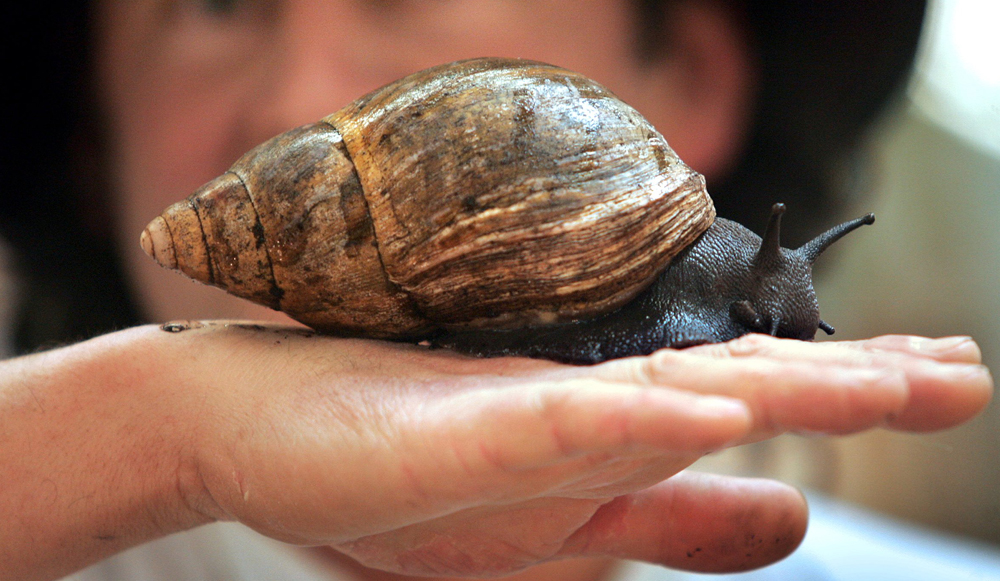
(781,301)
(732,282)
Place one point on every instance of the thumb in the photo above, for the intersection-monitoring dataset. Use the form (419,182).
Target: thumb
(698,522)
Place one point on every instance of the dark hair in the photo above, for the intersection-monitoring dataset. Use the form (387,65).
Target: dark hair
(826,69)
(71,282)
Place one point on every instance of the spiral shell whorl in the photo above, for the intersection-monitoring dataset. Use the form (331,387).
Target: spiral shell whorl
(213,236)
(288,227)
(490,192)
(318,233)
(508,192)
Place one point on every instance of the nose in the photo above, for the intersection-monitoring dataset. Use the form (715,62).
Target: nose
(323,54)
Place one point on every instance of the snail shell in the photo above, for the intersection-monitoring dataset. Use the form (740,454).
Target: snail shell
(483,193)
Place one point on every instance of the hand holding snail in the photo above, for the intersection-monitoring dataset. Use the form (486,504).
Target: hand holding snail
(497,207)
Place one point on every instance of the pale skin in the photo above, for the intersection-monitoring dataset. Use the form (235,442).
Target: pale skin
(408,460)
(424,462)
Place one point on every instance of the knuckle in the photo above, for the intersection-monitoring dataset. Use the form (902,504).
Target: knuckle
(749,345)
(660,366)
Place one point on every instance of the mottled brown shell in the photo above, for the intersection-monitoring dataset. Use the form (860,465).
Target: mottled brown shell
(488,192)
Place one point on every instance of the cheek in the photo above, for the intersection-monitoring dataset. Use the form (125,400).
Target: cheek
(174,130)
(167,152)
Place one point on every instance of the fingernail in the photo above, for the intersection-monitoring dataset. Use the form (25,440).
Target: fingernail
(966,374)
(942,345)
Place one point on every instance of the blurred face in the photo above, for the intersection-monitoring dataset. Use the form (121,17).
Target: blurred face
(190,85)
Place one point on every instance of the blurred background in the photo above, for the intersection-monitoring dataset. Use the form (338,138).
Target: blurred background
(929,266)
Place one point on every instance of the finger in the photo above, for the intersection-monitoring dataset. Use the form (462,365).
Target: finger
(946,384)
(852,353)
(942,396)
(946,349)
(698,522)
(521,428)
(782,395)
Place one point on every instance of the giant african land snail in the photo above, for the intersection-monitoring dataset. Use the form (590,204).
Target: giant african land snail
(496,207)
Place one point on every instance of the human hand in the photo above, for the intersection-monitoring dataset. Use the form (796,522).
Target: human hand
(425,462)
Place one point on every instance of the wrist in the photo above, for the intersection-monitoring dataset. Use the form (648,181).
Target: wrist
(96,453)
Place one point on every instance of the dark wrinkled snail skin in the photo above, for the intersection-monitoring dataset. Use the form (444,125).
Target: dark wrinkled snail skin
(729,283)
(496,207)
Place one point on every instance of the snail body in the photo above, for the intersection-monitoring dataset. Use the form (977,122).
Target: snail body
(493,206)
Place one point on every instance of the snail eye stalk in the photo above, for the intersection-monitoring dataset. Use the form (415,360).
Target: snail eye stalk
(769,254)
(812,249)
